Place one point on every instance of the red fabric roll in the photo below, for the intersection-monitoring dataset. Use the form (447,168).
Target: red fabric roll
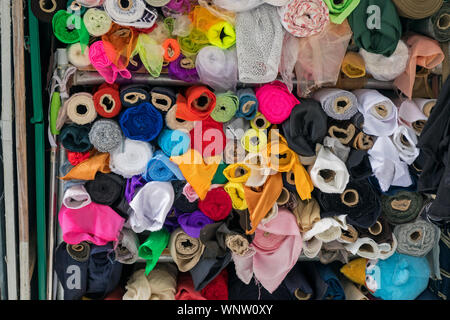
(107,100)
(185,288)
(77,157)
(217,289)
(208,138)
(196,105)
(216,205)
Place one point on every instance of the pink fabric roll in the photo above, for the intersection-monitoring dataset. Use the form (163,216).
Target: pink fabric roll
(190,193)
(273,252)
(104,66)
(409,112)
(275,101)
(95,223)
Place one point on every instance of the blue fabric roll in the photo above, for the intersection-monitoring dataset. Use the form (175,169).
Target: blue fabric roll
(335,291)
(245,111)
(142,122)
(160,168)
(174,142)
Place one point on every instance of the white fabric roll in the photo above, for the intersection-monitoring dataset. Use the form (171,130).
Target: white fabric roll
(76,58)
(311,247)
(326,160)
(131,158)
(423,103)
(76,197)
(325,224)
(137,15)
(387,249)
(364,247)
(97,22)
(258,173)
(374,123)
(410,112)
(405,140)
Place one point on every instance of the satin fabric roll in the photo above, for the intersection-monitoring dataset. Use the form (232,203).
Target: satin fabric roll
(380,114)
(107,101)
(185,250)
(337,104)
(174,123)
(160,168)
(416,238)
(135,13)
(44,10)
(237,194)
(75,138)
(217,204)
(222,35)
(329,173)
(106,189)
(149,214)
(340,10)
(353,65)
(226,107)
(127,247)
(162,98)
(105,135)
(153,247)
(248,104)
(87,169)
(143,122)
(193,222)
(134,95)
(277,94)
(174,142)
(403,207)
(414,9)
(76,197)
(80,108)
(77,57)
(197,105)
(405,140)
(131,158)
(97,22)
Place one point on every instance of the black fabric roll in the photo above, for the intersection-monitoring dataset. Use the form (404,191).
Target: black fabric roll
(304,282)
(75,138)
(360,202)
(133,95)
(79,252)
(163,98)
(343,130)
(183,204)
(44,10)
(207,269)
(122,207)
(306,126)
(358,164)
(106,188)
(289,181)
(380,232)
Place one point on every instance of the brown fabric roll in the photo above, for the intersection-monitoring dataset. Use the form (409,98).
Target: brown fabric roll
(333,251)
(185,250)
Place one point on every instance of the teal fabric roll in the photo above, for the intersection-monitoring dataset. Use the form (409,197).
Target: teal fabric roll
(174,142)
(248,104)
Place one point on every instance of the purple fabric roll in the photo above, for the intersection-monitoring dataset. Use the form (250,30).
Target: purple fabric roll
(171,222)
(177,72)
(132,184)
(192,223)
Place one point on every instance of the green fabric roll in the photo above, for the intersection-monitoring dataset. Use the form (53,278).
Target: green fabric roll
(226,106)
(340,10)
(69,28)
(153,247)
(409,203)
(54,109)
(382,40)
(219,178)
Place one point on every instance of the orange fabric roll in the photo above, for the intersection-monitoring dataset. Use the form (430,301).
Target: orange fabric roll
(86,170)
(119,43)
(171,50)
(197,105)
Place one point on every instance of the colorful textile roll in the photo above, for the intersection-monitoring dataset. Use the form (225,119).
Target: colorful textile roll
(226,106)
(248,104)
(171,50)
(197,105)
(237,195)
(193,222)
(259,122)
(133,184)
(107,101)
(245,5)
(44,10)
(403,207)
(415,9)
(119,43)
(135,63)
(217,68)
(134,95)
(258,60)
(143,122)
(208,138)
(337,104)
(254,141)
(217,204)
(131,158)
(162,98)
(174,142)
(183,69)
(437,26)
(87,169)
(80,108)
(304,18)
(185,250)
(160,168)
(353,65)
(193,43)
(77,157)
(133,13)
(69,28)
(375,35)
(151,53)
(153,247)
(416,238)
(237,172)
(275,101)
(105,135)
(97,22)
(236,128)
(174,123)
(75,138)
(340,10)
(105,189)
(77,57)
(222,35)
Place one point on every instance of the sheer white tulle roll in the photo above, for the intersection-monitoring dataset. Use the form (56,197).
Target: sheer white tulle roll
(131,158)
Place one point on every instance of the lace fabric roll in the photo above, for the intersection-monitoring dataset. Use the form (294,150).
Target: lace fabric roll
(80,108)
(329,173)
(337,104)
(143,122)
(174,142)
(105,135)
(405,140)
(77,57)
(160,168)
(416,238)
(403,207)
(133,95)
(248,104)
(76,197)
(258,44)
(131,158)
(75,138)
(106,188)
(196,105)
(226,106)
(97,22)
(133,13)
(380,113)
(127,247)
(185,250)
(107,101)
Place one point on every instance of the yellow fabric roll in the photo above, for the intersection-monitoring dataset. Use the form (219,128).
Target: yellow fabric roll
(355,270)
(353,65)
(237,195)
(237,173)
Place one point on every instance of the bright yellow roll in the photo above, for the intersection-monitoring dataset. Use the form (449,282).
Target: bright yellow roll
(237,195)
(353,65)
(222,35)
(237,173)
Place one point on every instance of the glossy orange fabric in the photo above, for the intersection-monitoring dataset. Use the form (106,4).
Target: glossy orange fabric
(86,170)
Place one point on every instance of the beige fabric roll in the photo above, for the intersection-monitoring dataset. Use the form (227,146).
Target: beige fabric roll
(163,281)
(137,287)
(185,250)
(307,213)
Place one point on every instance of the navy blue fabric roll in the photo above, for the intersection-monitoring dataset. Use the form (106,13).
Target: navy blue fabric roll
(133,95)
(163,98)
(142,122)
(335,291)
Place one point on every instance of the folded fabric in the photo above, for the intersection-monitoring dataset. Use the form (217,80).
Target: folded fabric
(162,98)
(208,137)
(196,105)
(149,214)
(387,166)
(424,52)
(105,135)
(353,64)
(376,35)
(151,53)
(143,122)
(105,67)
(185,250)
(134,95)
(405,140)
(248,103)
(185,288)
(216,205)
(416,238)
(160,168)
(227,104)
(402,207)
(380,113)
(411,115)
(107,101)
(95,223)
(338,104)
(76,197)
(127,247)
(87,169)
(174,142)
(75,138)
(386,68)
(153,247)
(131,158)
(106,188)
(358,165)
(259,44)
(193,222)
(77,157)
(174,123)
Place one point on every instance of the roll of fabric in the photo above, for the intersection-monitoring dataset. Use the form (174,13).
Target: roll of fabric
(415,9)
(436,26)
(202,134)
(151,53)
(133,13)
(174,142)
(106,189)
(107,101)
(380,113)
(344,131)
(79,252)
(80,108)
(44,10)
(119,44)
(337,104)
(77,157)
(259,170)
(337,148)
(304,18)
(245,5)
(197,105)
(233,152)
(248,104)
(236,128)
(259,122)
(386,68)
(153,247)
(174,123)
(192,223)
(411,115)
(77,57)
(185,288)
(216,205)
(183,69)
(88,168)
(405,140)
(307,214)
(227,104)
(160,168)
(238,173)
(97,22)
(90,3)
(425,105)
(340,10)
(222,35)
(137,287)
(275,94)
(416,238)
(376,36)
(185,250)
(193,43)
(143,122)
(353,64)
(258,60)
(127,247)
(327,229)
(329,173)
(75,138)
(76,197)
(133,185)
(69,28)
(171,50)
(237,194)
(358,165)
(364,247)
(424,52)
(254,141)
(135,63)
(189,193)
(162,98)
(149,214)
(403,207)
(131,158)
(105,135)
(306,126)
(134,95)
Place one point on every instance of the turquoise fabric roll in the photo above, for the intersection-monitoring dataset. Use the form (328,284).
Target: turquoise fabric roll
(248,104)
(174,142)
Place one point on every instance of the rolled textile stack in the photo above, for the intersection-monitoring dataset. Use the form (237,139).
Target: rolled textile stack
(127,247)
(160,168)
(80,108)
(185,250)
(248,104)
(105,135)
(153,247)
(415,9)
(76,197)
(437,26)
(416,238)
(135,13)
(410,114)
(107,101)
(337,104)
(162,98)
(174,142)
(197,105)
(133,95)
(405,140)
(226,106)
(143,122)
(97,22)
(75,138)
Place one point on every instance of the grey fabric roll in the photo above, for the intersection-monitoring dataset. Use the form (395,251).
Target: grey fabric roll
(416,238)
(337,103)
(105,135)
(128,247)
